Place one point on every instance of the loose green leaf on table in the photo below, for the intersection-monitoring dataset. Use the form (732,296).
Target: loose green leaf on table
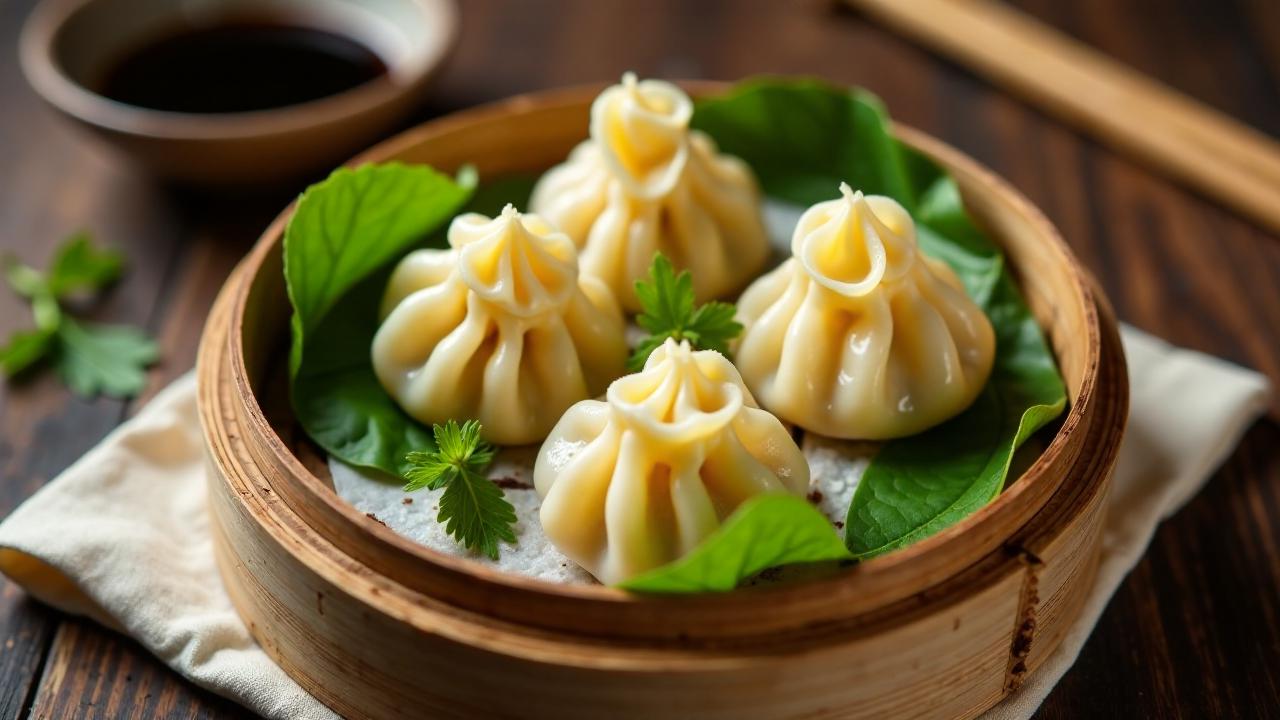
(337,248)
(24,349)
(90,359)
(803,139)
(472,508)
(107,359)
(667,311)
(79,267)
(765,531)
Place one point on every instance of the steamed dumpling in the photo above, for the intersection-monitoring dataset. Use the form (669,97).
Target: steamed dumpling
(499,328)
(859,334)
(644,183)
(639,480)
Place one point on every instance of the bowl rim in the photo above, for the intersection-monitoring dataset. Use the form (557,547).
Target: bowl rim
(848,583)
(37,44)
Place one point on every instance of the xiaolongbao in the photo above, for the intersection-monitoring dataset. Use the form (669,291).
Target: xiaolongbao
(639,480)
(644,183)
(859,334)
(498,328)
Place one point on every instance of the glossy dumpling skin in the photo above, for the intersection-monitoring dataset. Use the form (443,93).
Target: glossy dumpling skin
(498,328)
(640,479)
(859,334)
(644,183)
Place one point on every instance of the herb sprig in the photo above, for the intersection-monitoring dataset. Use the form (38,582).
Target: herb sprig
(473,508)
(90,359)
(667,311)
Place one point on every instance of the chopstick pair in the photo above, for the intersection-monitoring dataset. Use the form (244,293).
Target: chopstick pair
(1209,151)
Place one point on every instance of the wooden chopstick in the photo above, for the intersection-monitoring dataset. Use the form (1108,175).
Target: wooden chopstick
(1206,149)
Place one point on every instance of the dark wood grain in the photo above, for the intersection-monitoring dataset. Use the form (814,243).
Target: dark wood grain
(95,674)
(1194,632)
(92,672)
(55,185)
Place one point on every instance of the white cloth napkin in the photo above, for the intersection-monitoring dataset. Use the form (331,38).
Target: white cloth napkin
(122,536)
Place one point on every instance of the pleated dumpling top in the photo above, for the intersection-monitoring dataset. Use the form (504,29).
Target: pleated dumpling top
(645,183)
(638,480)
(859,334)
(498,328)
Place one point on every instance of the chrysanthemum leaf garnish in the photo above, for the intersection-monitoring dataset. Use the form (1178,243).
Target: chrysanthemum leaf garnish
(668,311)
(472,508)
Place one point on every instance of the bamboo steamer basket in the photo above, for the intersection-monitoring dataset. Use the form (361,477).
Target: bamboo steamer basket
(377,626)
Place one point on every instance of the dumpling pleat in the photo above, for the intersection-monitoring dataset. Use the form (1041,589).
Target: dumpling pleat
(929,350)
(448,385)
(735,475)
(573,510)
(866,376)
(810,353)
(420,270)
(417,325)
(600,342)
(768,440)
(968,330)
(696,515)
(640,525)
(768,306)
(553,373)
(693,240)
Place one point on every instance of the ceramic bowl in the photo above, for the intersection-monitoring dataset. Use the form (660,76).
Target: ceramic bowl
(67,44)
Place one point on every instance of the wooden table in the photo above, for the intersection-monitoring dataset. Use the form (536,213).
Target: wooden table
(1194,631)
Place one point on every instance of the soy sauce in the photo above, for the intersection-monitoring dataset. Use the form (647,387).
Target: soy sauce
(239,66)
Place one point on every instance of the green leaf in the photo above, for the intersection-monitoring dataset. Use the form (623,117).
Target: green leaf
(458,448)
(765,531)
(667,311)
(803,139)
(641,354)
(103,359)
(80,267)
(666,299)
(90,359)
(353,223)
(473,509)
(24,349)
(712,327)
(338,247)
(24,279)
(46,311)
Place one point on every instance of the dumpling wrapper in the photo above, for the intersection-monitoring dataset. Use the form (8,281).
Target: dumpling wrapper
(638,480)
(499,328)
(645,183)
(835,467)
(859,334)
